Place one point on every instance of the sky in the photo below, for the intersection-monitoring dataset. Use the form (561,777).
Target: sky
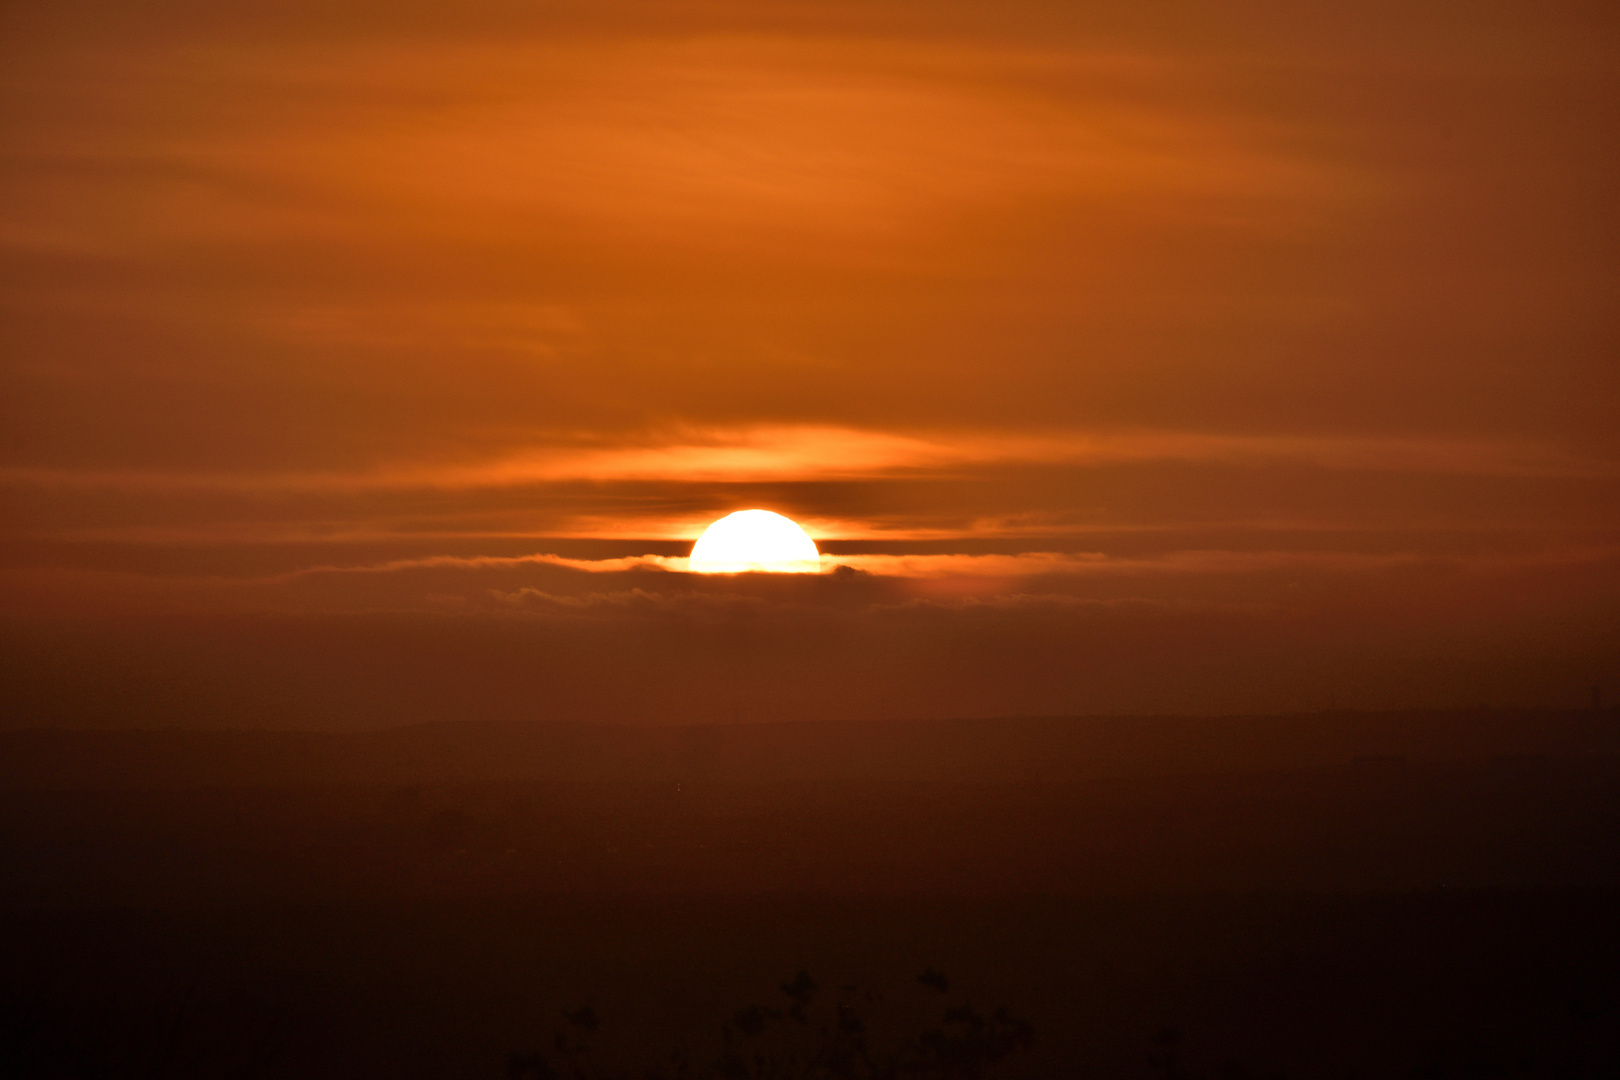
(368,364)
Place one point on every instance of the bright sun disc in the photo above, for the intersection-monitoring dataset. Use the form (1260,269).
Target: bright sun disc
(754,540)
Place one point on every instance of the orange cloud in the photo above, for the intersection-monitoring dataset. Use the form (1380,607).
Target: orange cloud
(756,453)
(1022,564)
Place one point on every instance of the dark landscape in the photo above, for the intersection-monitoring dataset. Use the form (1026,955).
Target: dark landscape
(1336,894)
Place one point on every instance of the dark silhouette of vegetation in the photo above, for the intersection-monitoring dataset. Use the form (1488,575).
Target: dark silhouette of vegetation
(812,1036)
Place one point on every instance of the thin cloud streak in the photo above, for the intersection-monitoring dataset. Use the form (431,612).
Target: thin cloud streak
(477,587)
(766,453)
(1024,564)
(493,562)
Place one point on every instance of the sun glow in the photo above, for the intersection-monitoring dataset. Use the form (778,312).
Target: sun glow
(754,540)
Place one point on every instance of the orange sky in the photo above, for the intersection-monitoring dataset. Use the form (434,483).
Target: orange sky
(1130,356)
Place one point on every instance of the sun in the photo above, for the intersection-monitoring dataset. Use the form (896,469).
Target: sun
(754,540)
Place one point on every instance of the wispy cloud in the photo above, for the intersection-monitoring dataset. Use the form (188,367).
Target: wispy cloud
(715,140)
(767,453)
(1000,567)
(494,562)
(764,453)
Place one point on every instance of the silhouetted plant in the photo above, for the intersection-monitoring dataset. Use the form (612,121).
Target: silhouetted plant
(967,1045)
(570,1044)
(815,1038)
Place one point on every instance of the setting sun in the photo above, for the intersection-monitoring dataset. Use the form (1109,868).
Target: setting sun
(754,540)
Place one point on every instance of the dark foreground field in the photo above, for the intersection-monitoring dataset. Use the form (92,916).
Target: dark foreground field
(1335,896)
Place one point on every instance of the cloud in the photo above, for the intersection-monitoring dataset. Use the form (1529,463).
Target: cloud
(997,567)
(495,562)
(1052,563)
(630,602)
(799,453)
(761,453)
(709,140)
